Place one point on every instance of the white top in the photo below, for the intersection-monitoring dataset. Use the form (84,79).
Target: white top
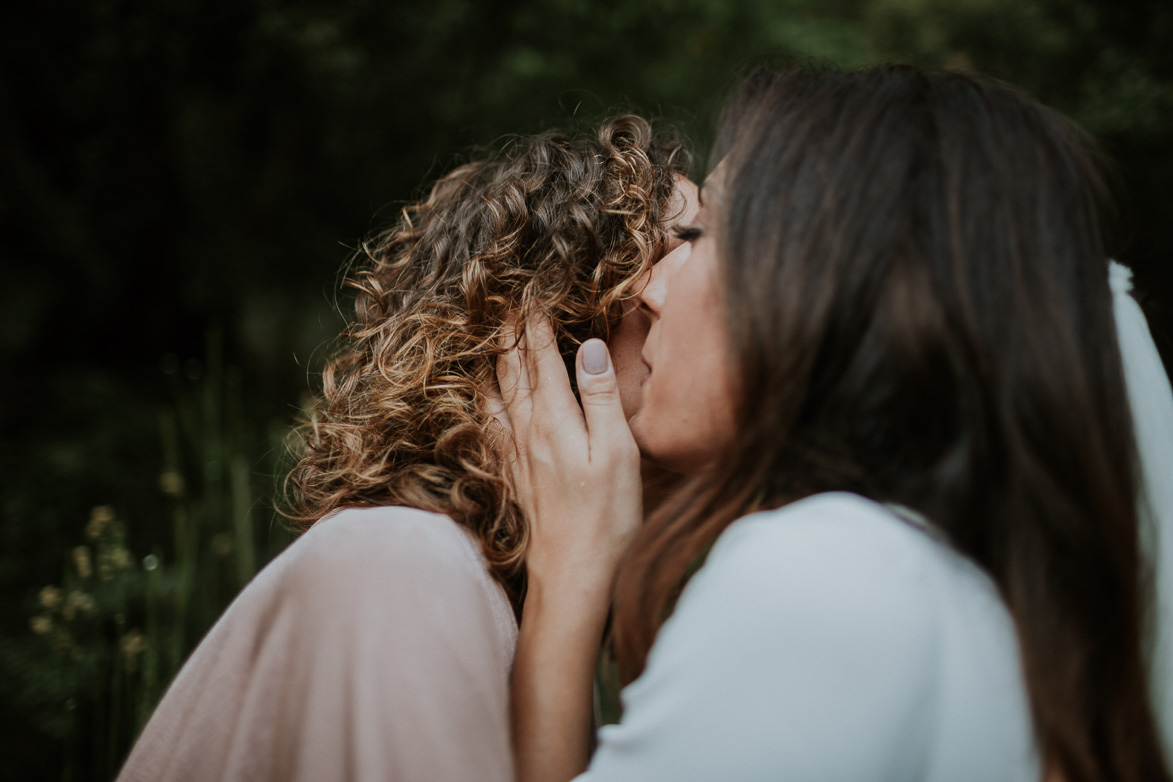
(376,647)
(828,640)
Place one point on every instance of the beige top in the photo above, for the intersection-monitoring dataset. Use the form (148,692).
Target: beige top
(376,647)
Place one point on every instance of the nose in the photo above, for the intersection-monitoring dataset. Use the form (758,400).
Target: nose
(656,291)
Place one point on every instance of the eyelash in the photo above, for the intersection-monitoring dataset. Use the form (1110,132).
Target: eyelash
(690,234)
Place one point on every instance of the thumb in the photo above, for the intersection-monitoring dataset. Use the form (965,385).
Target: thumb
(606,424)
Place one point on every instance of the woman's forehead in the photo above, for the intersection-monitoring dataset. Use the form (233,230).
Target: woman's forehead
(684,204)
(713,187)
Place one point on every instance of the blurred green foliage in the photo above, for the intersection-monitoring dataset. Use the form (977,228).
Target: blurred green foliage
(180,181)
(133,597)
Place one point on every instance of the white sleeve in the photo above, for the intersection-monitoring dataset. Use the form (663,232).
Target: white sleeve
(802,650)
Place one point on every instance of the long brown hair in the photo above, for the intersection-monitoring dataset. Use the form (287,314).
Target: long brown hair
(919,264)
(554,223)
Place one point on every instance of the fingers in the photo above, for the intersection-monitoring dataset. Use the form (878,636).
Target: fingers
(501,430)
(513,379)
(496,405)
(537,400)
(606,424)
(546,370)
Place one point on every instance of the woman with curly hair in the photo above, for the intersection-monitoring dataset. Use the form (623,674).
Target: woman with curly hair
(379,645)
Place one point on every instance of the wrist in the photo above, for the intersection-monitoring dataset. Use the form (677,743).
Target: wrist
(571,599)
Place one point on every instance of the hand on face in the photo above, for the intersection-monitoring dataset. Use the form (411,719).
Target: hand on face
(575,471)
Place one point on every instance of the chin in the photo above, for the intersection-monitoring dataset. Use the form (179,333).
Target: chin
(630,398)
(647,446)
(653,451)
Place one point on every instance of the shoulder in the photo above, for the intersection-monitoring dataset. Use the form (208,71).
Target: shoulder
(829,639)
(857,556)
(391,536)
(387,559)
(374,622)
(836,569)
(836,602)
(834,594)
(838,524)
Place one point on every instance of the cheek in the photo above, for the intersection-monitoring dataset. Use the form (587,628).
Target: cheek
(720,423)
(692,407)
(705,403)
(626,346)
(688,416)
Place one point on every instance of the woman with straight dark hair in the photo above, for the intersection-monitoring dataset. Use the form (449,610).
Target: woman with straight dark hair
(888,363)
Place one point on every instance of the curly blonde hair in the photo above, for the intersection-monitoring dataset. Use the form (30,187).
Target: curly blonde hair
(550,224)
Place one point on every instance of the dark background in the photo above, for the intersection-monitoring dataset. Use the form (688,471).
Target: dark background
(181,182)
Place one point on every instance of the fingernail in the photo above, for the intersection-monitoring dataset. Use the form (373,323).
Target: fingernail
(594,357)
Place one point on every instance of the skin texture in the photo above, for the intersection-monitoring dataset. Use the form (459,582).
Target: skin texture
(627,337)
